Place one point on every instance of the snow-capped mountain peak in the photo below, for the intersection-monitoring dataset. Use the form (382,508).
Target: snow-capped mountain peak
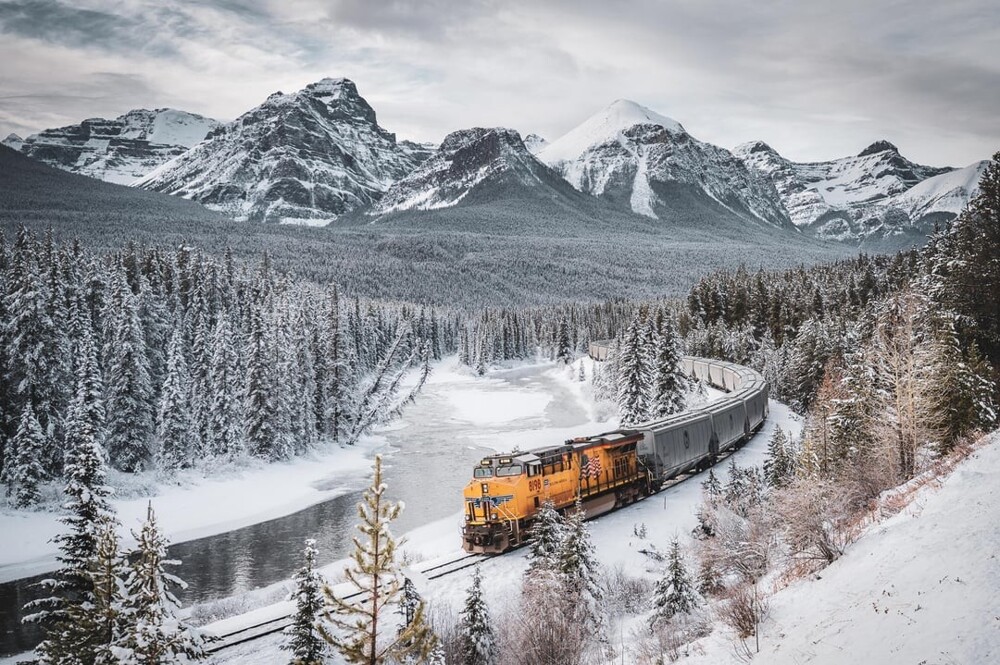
(13,141)
(861,197)
(877,147)
(606,125)
(534,143)
(302,157)
(468,160)
(630,154)
(122,150)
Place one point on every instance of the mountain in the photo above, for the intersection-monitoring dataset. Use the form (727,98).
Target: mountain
(865,198)
(13,141)
(483,164)
(39,195)
(122,150)
(306,157)
(648,163)
(534,143)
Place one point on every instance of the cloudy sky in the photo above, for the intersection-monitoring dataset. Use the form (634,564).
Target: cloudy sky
(814,79)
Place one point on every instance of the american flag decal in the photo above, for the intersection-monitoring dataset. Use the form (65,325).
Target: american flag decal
(591,468)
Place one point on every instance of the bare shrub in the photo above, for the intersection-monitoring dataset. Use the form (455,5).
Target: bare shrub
(546,627)
(815,515)
(742,546)
(624,593)
(744,607)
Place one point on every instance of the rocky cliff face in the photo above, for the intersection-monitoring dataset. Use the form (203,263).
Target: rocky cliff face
(640,160)
(470,160)
(122,150)
(305,157)
(874,195)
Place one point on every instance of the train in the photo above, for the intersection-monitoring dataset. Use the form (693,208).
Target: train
(612,469)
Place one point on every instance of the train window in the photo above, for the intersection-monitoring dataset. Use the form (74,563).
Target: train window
(481,472)
(514,470)
(534,469)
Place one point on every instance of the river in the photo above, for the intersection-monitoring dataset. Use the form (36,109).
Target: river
(433,447)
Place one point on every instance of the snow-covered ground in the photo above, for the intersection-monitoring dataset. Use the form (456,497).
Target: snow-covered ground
(921,587)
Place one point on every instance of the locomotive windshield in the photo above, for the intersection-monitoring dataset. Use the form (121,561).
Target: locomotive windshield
(482,472)
(514,470)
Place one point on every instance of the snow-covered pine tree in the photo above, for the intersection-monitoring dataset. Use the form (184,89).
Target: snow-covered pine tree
(779,465)
(129,407)
(363,633)
(711,486)
(153,634)
(674,593)
(564,348)
(304,640)
(634,375)
(24,471)
(225,410)
(670,384)
(176,430)
(63,616)
(479,640)
(581,375)
(579,568)
(261,402)
(545,539)
(108,613)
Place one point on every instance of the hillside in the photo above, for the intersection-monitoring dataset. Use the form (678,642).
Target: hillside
(919,587)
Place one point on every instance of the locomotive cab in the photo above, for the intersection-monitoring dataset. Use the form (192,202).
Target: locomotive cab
(503,489)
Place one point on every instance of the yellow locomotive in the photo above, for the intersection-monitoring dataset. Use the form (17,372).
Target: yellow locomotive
(506,490)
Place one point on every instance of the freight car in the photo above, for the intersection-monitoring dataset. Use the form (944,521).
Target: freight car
(612,469)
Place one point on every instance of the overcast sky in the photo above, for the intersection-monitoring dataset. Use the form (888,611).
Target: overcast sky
(816,80)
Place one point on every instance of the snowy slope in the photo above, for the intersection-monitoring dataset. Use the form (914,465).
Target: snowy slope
(305,157)
(863,197)
(122,150)
(13,141)
(920,587)
(638,158)
(468,160)
(534,143)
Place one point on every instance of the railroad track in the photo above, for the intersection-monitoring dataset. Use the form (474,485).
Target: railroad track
(278,624)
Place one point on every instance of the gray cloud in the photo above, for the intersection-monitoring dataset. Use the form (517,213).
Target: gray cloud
(815,80)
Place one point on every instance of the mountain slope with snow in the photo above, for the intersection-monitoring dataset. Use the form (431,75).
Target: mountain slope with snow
(305,157)
(645,162)
(122,150)
(875,196)
(478,161)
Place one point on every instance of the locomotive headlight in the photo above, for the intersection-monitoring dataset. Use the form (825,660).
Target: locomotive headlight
(494,515)
(467,518)
(486,488)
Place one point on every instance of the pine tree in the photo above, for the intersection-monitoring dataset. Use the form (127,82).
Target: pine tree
(578,567)
(674,593)
(545,539)
(564,349)
(176,429)
(709,580)
(109,612)
(65,615)
(261,402)
(779,465)
(479,642)
(634,376)
(711,486)
(130,418)
(305,641)
(25,470)
(153,634)
(670,384)
(225,422)
(363,632)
